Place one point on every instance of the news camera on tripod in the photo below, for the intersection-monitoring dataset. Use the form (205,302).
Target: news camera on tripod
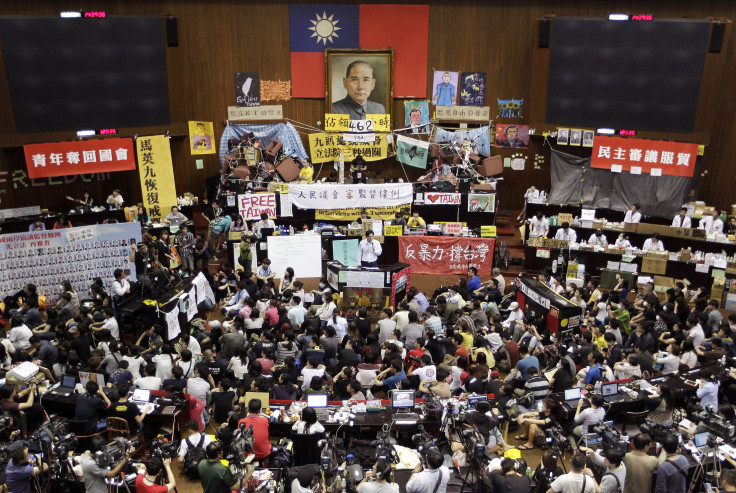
(106,462)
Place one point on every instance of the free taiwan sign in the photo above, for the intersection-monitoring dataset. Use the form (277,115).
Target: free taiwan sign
(639,156)
(79,156)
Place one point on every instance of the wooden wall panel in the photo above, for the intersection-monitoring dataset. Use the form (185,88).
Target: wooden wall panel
(220,37)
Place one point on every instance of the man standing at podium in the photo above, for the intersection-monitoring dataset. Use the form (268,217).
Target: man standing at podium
(369,250)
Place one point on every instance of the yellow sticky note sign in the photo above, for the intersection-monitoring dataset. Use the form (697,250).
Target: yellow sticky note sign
(488,231)
(701,150)
(393,230)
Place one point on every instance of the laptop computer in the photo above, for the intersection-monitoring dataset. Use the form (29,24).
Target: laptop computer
(318,402)
(609,391)
(573,394)
(68,382)
(475,399)
(701,440)
(140,396)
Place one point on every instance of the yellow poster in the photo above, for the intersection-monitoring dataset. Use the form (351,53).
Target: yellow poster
(393,230)
(372,123)
(326,147)
(201,138)
(157,175)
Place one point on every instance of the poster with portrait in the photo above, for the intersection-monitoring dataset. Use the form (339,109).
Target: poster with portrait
(510,108)
(563,136)
(473,89)
(416,116)
(247,89)
(46,258)
(359,82)
(512,136)
(201,137)
(485,202)
(576,136)
(444,88)
(588,136)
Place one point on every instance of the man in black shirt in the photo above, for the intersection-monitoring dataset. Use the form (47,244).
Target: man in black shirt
(81,342)
(126,410)
(348,356)
(145,264)
(90,405)
(614,350)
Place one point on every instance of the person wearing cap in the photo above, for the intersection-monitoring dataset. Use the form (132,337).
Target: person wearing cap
(653,244)
(515,313)
(598,238)
(538,226)
(566,233)
(633,215)
(681,220)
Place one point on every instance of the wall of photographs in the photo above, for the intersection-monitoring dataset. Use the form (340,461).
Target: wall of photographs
(46,258)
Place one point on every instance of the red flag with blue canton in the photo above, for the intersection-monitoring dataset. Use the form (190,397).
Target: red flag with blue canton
(314,28)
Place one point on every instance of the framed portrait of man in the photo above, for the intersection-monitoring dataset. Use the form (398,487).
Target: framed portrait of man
(359,82)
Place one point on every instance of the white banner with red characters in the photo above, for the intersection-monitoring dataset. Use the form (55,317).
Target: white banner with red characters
(79,157)
(638,156)
(445,255)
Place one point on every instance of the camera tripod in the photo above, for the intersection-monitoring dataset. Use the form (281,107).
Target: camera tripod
(700,473)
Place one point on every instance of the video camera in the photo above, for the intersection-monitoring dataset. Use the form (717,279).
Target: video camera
(385,448)
(422,441)
(242,444)
(712,422)
(114,452)
(54,436)
(556,439)
(163,448)
(657,431)
(610,438)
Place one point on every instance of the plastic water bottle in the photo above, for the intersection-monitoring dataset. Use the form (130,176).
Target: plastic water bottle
(271,486)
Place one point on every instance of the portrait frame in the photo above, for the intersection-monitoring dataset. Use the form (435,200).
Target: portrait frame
(576,136)
(382,62)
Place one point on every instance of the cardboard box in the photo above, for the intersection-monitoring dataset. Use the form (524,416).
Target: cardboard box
(564,217)
(654,266)
(731,302)
(658,255)
(662,283)
(684,256)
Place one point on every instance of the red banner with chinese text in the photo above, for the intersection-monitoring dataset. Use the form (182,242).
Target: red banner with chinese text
(655,157)
(79,156)
(446,255)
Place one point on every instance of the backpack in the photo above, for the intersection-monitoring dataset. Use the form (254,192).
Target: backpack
(193,457)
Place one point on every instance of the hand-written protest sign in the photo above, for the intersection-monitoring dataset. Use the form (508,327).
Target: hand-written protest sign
(253,205)
(463,113)
(397,230)
(326,147)
(454,228)
(333,196)
(156,174)
(442,255)
(488,231)
(266,112)
(342,123)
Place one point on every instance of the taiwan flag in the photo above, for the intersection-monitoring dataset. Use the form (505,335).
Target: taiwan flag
(314,28)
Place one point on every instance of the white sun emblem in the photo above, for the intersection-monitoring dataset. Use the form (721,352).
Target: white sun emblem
(324,28)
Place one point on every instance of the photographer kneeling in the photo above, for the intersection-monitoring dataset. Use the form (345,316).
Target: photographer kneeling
(20,469)
(147,483)
(95,471)
(487,425)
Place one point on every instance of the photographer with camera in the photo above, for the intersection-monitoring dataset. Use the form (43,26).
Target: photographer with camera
(95,468)
(511,477)
(434,479)
(579,480)
(147,483)
(215,477)
(487,425)
(614,479)
(378,479)
(21,468)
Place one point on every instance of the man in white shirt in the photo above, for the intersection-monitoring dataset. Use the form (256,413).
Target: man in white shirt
(297,312)
(110,323)
(531,194)
(369,250)
(196,438)
(622,241)
(653,244)
(426,481)
(20,334)
(598,238)
(681,220)
(427,371)
(120,285)
(538,226)
(190,343)
(696,333)
(711,223)
(515,313)
(265,222)
(150,381)
(633,216)
(579,480)
(496,273)
(566,233)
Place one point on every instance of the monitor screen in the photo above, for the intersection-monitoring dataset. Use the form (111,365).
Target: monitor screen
(402,399)
(317,400)
(572,394)
(474,400)
(609,389)
(141,395)
(266,232)
(701,439)
(68,381)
